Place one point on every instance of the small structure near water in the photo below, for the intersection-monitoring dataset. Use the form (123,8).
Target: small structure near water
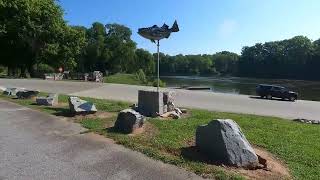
(223,141)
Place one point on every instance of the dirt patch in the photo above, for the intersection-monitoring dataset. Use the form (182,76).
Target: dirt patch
(148,130)
(137,131)
(270,166)
(275,168)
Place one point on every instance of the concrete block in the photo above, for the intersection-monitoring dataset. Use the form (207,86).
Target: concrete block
(150,103)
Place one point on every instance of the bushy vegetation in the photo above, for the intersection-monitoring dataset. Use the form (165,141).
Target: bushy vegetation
(297,58)
(3,70)
(220,63)
(44,68)
(154,83)
(34,33)
(133,79)
(140,76)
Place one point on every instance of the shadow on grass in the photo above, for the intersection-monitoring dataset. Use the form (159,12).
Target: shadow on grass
(115,131)
(192,153)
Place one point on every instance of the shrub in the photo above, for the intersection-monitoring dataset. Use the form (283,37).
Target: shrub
(44,68)
(3,70)
(155,83)
(140,75)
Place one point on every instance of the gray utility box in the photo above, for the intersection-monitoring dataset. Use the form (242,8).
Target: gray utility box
(150,103)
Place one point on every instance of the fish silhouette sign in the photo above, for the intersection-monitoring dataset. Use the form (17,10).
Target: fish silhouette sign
(155,33)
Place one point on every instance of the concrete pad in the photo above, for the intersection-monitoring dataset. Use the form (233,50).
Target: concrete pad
(37,146)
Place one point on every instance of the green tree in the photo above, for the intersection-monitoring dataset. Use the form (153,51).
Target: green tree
(121,48)
(96,54)
(145,61)
(279,59)
(27,26)
(65,50)
(226,62)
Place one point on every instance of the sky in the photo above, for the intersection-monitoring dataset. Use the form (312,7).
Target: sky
(206,26)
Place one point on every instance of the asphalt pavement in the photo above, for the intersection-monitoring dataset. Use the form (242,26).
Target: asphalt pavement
(184,98)
(37,146)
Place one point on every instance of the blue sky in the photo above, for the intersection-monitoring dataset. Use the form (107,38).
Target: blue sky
(206,26)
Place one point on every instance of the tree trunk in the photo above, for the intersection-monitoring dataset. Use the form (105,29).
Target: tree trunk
(14,72)
(9,71)
(23,73)
(31,71)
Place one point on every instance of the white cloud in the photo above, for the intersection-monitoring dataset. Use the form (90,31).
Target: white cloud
(227,28)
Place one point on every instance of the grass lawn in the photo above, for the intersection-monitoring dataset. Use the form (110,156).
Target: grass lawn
(123,79)
(131,79)
(298,145)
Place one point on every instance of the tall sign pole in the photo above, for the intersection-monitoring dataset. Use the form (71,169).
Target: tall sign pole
(155,34)
(158,47)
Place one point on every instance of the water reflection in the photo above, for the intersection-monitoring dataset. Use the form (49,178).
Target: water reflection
(309,90)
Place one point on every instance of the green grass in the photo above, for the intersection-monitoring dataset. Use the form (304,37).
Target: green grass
(123,79)
(131,79)
(297,144)
(93,124)
(102,105)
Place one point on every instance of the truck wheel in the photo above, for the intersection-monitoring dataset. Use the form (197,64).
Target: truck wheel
(269,96)
(292,98)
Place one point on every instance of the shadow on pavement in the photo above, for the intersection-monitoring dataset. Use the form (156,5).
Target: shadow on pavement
(58,111)
(275,99)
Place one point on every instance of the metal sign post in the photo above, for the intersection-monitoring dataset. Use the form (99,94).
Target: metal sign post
(156,33)
(158,45)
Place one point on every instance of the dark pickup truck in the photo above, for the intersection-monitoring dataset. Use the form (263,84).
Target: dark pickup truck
(269,91)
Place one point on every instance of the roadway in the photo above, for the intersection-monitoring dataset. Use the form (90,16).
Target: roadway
(184,98)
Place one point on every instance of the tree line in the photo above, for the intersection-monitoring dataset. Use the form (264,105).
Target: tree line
(219,63)
(34,39)
(296,58)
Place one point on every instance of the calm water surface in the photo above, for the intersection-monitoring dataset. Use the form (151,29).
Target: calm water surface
(308,90)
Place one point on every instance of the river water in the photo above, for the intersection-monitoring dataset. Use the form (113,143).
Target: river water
(307,90)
